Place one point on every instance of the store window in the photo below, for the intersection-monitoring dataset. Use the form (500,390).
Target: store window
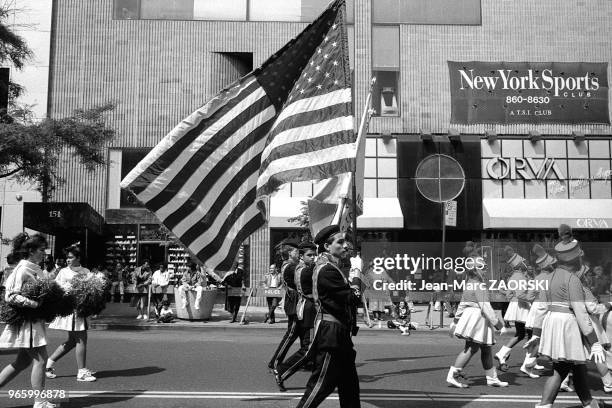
(166,9)
(220,10)
(385,67)
(129,159)
(464,12)
(126,9)
(236,10)
(380,171)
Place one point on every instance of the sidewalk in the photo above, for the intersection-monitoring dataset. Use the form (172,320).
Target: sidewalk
(120,316)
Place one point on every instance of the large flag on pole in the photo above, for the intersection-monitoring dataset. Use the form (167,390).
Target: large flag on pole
(289,120)
(332,201)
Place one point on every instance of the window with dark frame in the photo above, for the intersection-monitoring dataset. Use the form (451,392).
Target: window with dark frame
(386,67)
(129,159)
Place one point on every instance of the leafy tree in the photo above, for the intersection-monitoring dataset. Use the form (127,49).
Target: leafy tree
(30,151)
(13,48)
(303,218)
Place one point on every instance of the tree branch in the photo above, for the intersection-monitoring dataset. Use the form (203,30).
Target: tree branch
(10,173)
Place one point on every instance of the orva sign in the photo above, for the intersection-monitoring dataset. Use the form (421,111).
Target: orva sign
(526,168)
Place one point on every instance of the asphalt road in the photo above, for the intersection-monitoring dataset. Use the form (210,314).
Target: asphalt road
(227,368)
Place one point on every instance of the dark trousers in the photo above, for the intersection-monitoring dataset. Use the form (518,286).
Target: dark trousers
(233,305)
(580,377)
(272,305)
(299,358)
(333,369)
(290,336)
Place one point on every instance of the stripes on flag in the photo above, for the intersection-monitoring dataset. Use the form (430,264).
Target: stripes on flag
(200,181)
(290,119)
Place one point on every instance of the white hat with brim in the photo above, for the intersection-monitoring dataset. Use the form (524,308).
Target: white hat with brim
(545,261)
(568,251)
(515,260)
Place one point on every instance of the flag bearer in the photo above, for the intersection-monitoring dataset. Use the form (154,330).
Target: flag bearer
(332,346)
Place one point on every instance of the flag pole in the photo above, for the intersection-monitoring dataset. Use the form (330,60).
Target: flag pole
(365,120)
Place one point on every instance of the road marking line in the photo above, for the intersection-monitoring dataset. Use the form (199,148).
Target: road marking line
(285,395)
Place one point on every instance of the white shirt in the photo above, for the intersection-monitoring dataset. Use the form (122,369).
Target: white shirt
(161,278)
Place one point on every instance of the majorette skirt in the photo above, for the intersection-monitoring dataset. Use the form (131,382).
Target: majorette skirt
(473,326)
(69,323)
(517,311)
(26,335)
(561,339)
(531,315)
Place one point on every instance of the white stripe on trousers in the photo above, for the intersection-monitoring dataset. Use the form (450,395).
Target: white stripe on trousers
(319,383)
(304,358)
(284,344)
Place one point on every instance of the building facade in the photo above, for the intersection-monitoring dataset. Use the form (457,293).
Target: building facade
(30,19)
(161,60)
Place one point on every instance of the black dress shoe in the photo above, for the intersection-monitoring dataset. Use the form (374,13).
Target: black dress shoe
(279,381)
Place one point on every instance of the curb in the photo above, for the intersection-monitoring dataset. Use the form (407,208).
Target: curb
(203,326)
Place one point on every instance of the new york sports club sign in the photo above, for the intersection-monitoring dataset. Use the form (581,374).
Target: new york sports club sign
(528,92)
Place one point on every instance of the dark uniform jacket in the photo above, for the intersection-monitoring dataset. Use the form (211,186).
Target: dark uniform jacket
(291,295)
(303,282)
(333,296)
(234,280)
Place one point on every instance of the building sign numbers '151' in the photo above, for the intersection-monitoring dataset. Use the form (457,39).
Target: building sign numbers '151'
(526,168)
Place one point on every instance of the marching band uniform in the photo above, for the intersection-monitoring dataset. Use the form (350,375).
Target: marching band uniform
(544,263)
(518,305)
(29,334)
(475,321)
(332,345)
(291,298)
(596,311)
(475,318)
(71,322)
(305,313)
(563,328)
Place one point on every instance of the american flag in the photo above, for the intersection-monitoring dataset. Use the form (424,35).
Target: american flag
(289,120)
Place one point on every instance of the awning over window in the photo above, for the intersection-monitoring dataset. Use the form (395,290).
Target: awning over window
(546,214)
(378,213)
(51,218)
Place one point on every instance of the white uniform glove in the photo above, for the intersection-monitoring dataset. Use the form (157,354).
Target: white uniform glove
(451,329)
(597,353)
(532,345)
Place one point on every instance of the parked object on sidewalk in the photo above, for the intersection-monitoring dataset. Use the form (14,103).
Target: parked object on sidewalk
(206,304)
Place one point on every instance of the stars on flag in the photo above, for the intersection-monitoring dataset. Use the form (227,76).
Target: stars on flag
(323,70)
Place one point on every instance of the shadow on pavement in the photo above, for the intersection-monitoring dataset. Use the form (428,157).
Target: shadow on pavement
(395,359)
(130,372)
(373,378)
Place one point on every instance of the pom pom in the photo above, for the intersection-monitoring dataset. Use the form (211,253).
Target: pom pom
(90,294)
(51,298)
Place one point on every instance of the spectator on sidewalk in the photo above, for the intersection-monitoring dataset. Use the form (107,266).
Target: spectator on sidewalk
(273,281)
(12,261)
(49,270)
(234,279)
(192,280)
(142,280)
(118,279)
(160,282)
